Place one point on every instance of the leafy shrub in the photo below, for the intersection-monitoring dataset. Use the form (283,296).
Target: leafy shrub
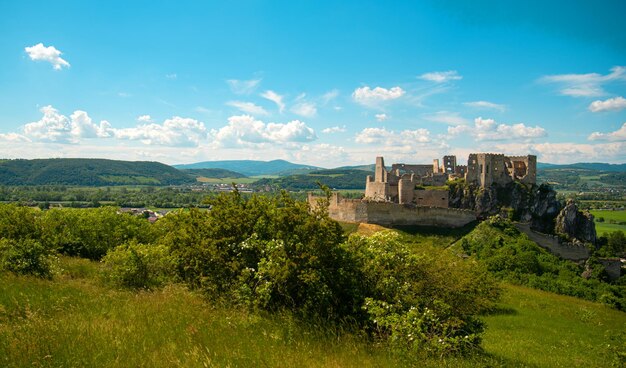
(26,257)
(90,233)
(422,299)
(140,266)
(271,253)
(18,222)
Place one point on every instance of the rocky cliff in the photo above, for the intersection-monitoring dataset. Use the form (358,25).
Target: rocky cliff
(575,224)
(534,204)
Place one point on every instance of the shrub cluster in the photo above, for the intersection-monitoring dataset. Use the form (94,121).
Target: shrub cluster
(271,254)
(136,265)
(511,256)
(30,239)
(278,253)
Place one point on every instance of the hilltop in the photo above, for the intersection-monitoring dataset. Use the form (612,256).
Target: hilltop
(89,172)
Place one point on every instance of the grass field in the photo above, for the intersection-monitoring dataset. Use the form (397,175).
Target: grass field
(543,329)
(76,321)
(610,216)
(226,180)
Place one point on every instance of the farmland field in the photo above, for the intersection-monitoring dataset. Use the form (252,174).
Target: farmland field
(613,220)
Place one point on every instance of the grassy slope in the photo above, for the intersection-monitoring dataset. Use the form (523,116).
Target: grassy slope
(76,321)
(549,330)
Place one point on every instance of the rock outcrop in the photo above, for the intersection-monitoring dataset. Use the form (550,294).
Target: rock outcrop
(534,204)
(576,225)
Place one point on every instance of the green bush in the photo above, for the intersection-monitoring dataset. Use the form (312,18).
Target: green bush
(140,266)
(26,257)
(90,233)
(271,253)
(422,300)
(18,222)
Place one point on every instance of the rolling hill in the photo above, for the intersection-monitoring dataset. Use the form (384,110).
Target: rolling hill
(213,173)
(251,167)
(594,166)
(89,172)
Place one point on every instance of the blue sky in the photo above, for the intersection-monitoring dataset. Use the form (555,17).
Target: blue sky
(317,82)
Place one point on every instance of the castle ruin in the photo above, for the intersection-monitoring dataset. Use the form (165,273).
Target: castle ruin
(411,194)
(404,183)
(486,169)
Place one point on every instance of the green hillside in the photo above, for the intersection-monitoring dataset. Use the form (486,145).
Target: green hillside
(89,172)
(333,178)
(213,173)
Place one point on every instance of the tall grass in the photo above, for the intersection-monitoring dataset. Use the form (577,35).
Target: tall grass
(76,321)
(548,330)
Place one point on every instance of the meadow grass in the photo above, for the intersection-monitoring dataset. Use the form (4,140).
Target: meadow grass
(76,321)
(609,216)
(543,329)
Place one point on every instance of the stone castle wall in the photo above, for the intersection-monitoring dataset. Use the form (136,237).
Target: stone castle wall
(567,251)
(390,214)
(431,198)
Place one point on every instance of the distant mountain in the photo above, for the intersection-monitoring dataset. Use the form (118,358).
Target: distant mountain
(250,167)
(89,172)
(213,173)
(544,165)
(368,167)
(596,166)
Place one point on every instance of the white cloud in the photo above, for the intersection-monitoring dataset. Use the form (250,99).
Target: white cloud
(245,130)
(83,126)
(323,154)
(55,127)
(459,129)
(585,85)
(13,137)
(248,107)
(306,109)
(489,130)
(243,87)
(171,76)
(391,138)
(144,119)
(446,117)
(329,96)
(276,98)
(563,153)
(618,135)
(335,129)
(177,131)
(485,105)
(49,54)
(612,104)
(381,117)
(374,97)
(441,77)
